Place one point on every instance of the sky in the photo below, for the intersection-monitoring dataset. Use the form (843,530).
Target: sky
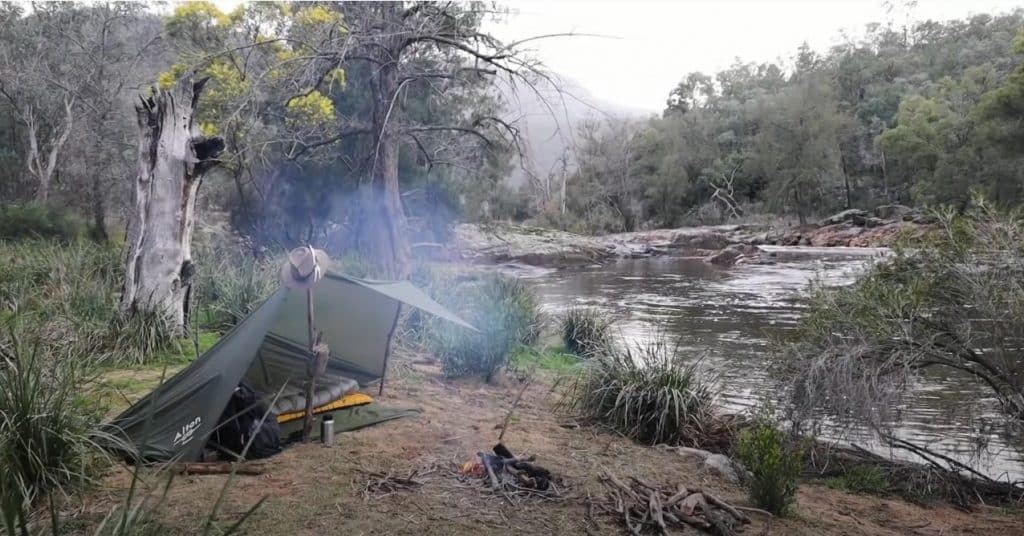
(646,47)
(640,49)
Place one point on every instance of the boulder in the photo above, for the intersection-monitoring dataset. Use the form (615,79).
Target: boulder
(893,212)
(731,254)
(835,235)
(855,216)
(701,239)
(723,466)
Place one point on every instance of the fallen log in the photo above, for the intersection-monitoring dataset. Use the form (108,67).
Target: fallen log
(217,468)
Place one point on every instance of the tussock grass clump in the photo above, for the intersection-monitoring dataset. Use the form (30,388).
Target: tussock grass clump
(234,288)
(505,311)
(774,466)
(648,392)
(585,331)
(47,426)
(140,337)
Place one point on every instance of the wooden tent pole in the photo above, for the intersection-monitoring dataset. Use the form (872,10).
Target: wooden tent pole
(387,349)
(307,421)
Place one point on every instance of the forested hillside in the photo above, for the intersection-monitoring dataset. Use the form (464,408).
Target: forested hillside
(914,115)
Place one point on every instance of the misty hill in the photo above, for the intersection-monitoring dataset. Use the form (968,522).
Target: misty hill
(548,118)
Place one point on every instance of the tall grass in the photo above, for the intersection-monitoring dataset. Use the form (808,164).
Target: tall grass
(71,291)
(47,426)
(505,311)
(585,331)
(651,392)
(231,288)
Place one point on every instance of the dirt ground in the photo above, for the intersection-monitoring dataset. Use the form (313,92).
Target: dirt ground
(310,489)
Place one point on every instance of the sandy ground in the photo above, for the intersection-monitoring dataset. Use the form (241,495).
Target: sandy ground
(311,489)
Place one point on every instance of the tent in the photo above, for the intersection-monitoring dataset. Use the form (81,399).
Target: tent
(268,350)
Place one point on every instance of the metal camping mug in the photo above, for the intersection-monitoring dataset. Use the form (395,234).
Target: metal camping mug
(327,430)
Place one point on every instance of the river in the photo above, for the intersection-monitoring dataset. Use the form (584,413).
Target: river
(729,315)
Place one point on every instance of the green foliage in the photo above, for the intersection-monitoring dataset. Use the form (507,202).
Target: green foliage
(872,121)
(953,303)
(861,479)
(650,392)
(774,465)
(312,109)
(47,426)
(505,311)
(32,220)
(585,331)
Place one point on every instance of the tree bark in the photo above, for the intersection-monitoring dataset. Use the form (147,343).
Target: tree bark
(382,223)
(173,157)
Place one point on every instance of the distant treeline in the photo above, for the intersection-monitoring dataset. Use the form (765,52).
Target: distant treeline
(915,115)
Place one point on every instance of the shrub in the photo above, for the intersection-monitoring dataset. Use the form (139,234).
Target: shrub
(32,220)
(648,392)
(46,426)
(774,467)
(504,310)
(585,331)
(953,303)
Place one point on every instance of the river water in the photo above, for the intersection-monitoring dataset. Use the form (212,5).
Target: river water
(729,316)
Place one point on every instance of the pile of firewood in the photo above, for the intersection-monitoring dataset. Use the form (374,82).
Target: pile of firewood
(514,476)
(643,508)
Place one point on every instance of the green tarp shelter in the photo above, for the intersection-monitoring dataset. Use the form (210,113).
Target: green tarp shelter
(269,350)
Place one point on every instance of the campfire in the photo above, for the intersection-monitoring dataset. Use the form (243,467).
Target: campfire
(514,476)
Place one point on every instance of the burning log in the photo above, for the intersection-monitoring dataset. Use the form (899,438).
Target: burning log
(643,507)
(512,475)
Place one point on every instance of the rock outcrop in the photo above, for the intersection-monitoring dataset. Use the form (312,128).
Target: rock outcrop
(722,245)
(499,243)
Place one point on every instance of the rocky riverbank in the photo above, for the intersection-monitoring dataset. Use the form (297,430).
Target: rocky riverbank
(722,245)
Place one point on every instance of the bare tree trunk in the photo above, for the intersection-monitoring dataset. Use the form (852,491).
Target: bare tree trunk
(43,169)
(383,223)
(99,208)
(846,181)
(173,157)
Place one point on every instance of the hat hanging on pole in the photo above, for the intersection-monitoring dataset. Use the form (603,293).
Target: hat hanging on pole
(305,266)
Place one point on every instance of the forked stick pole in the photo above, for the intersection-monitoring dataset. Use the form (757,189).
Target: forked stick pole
(307,421)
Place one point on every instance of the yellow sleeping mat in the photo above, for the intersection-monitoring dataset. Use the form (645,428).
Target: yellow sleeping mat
(347,401)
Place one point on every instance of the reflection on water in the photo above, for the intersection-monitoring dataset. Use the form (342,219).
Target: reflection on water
(729,316)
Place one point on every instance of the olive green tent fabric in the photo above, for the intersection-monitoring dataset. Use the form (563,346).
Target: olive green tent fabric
(268,349)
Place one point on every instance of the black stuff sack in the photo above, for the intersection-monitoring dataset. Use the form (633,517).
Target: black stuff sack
(240,423)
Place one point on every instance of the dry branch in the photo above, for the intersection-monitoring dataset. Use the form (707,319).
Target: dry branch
(380,484)
(646,508)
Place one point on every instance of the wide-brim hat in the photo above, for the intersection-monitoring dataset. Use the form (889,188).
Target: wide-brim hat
(304,267)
